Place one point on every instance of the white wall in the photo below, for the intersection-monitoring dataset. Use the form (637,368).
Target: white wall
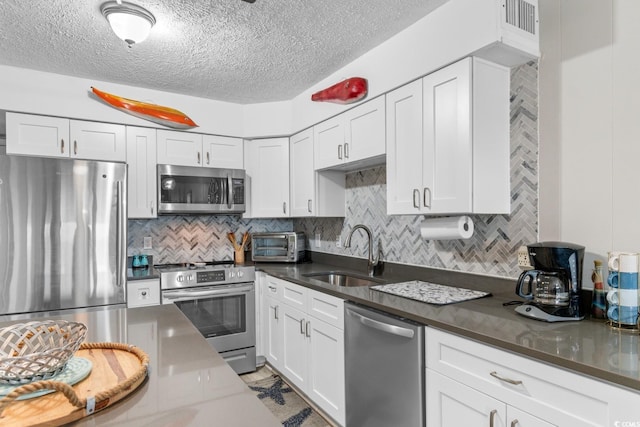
(456,29)
(590,124)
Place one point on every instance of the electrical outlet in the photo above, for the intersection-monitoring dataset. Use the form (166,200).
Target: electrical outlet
(318,240)
(146,243)
(523,258)
(338,242)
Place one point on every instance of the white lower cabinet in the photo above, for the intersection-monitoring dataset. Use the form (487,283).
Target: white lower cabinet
(304,340)
(455,404)
(141,293)
(469,383)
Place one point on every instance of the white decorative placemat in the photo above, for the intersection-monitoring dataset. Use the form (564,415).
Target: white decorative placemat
(431,293)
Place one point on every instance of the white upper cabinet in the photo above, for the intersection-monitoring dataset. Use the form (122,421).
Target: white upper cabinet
(37,135)
(313,193)
(267,168)
(303,198)
(45,136)
(223,152)
(179,148)
(99,141)
(353,139)
(448,142)
(194,149)
(141,161)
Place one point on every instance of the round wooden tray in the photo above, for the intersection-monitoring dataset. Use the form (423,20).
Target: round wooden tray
(118,370)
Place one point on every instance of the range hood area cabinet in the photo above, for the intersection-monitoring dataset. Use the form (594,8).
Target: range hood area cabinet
(448,142)
(45,136)
(353,139)
(193,149)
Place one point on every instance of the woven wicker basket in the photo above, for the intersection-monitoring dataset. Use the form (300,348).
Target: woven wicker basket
(37,351)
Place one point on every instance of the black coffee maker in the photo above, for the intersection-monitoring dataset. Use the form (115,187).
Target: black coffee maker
(552,289)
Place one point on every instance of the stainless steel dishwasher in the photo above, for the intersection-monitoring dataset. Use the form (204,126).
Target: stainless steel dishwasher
(384,367)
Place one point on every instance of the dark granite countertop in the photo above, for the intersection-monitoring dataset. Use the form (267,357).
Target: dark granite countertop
(588,347)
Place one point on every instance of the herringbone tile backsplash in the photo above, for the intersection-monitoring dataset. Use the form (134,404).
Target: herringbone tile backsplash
(194,238)
(491,250)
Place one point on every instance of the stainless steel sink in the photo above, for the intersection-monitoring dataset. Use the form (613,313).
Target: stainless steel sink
(339,278)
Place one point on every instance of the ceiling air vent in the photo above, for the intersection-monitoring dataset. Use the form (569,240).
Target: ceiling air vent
(521,14)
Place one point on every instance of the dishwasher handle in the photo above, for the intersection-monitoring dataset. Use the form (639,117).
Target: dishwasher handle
(381,326)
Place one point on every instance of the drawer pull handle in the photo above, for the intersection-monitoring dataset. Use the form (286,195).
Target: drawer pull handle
(492,417)
(494,374)
(307,329)
(514,423)
(302,326)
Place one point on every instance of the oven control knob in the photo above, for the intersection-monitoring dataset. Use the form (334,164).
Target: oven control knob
(240,273)
(180,278)
(190,278)
(232,274)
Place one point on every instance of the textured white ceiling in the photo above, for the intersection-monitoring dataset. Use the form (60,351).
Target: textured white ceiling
(227,50)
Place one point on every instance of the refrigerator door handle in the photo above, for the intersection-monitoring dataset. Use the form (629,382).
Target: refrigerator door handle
(120,250)
(381,326)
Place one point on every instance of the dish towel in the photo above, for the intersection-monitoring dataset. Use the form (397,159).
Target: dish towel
(431,293)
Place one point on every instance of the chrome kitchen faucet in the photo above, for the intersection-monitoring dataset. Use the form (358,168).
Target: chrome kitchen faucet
(372,263)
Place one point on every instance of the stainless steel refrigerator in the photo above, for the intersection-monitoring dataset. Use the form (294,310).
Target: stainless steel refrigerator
(62,234)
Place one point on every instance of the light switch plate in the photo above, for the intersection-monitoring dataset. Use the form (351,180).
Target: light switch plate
(147,243)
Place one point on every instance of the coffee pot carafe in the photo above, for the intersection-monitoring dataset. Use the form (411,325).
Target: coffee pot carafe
(552,289)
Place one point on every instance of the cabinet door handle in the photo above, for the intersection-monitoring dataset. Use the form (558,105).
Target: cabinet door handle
(198,157)
(275,312)
(284,208)
(307,329)
(492,417)
(272,288)
(416,198)
(302,326)
(346,150)
(514,423)
(75,147)
(309,205)
(152,206)
(208,158)
(340,152)
(62,146)
(494,374)
(424,197)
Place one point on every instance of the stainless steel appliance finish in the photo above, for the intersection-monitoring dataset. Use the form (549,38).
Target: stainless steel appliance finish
(220,301)
(200,190)
(384,367)
(62,234)
(286,246)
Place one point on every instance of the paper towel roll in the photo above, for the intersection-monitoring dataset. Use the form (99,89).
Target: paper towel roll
(447,228)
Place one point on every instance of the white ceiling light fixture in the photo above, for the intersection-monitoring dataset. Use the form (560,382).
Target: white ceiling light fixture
(130,22)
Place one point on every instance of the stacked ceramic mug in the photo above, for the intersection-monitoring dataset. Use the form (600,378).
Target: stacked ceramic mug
(622,298)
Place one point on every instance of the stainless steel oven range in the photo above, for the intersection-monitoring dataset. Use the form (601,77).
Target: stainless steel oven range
(219,299)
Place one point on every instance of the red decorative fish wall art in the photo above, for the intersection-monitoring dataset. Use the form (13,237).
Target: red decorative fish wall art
(346,92)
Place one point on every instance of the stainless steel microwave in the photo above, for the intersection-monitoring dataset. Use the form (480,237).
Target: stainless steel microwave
(200,190)
(285,246)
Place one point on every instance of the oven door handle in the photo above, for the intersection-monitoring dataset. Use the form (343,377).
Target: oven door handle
(189,295)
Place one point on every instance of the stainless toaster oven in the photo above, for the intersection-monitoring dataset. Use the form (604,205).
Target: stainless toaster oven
(287,246)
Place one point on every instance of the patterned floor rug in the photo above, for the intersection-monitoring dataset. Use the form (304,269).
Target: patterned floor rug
(285,403)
